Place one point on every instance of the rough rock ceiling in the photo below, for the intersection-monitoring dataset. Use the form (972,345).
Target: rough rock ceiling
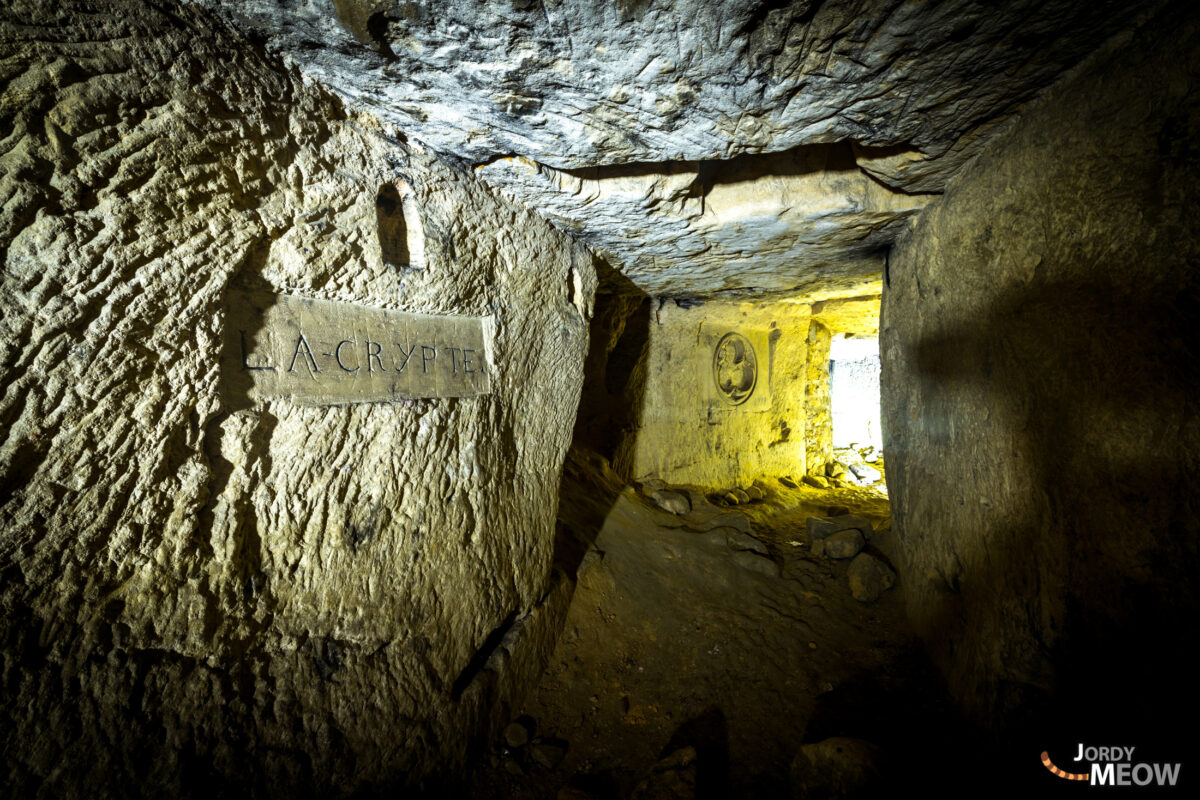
(806,221)
(642,125)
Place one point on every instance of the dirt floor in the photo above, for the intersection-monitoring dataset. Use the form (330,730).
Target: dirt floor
(681,634)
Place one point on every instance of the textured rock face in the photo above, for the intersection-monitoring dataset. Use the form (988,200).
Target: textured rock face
(806,222)
(1040,399)
(274,599)
(575,84)
(673,89)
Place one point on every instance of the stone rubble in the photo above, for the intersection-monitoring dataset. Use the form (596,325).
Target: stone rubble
(672,778)
(869,578)
(835,769)
(672,501)
(840,545)
(816,481)
(821,527)
(516,734)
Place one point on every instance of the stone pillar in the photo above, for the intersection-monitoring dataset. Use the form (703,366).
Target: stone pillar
(818,418)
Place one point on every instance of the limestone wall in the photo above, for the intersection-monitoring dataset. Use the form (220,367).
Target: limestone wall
(719,410)
(1040,402)
(201,590)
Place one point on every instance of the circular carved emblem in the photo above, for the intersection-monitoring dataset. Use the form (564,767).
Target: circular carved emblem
(735,368)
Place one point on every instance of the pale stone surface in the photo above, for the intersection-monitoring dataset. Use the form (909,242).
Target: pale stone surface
(854,400)
(320,352)
(279,599)
(866,473)
(1041,401)
(854,315)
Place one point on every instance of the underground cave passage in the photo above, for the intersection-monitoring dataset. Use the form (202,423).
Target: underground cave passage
(448,399)
(732,578)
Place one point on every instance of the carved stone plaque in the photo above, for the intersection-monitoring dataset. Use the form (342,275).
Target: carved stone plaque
(321,352)
(735,368)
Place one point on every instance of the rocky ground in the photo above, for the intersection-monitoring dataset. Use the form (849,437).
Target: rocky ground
(703,649)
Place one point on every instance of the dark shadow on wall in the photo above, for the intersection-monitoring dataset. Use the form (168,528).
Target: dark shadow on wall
(610,399)
(613,388)
(904,710)
(1066,613)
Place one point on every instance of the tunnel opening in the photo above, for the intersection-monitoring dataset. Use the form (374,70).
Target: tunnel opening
(854,390)
(854,401)
(712,529)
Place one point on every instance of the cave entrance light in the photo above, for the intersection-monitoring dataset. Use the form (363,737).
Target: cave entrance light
(854,392)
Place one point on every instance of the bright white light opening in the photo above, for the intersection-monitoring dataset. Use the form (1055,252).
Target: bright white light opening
(854,392)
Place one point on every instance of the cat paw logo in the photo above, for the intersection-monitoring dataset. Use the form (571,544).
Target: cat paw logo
(1114,766)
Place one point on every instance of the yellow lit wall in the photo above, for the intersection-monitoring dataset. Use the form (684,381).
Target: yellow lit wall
(688,430)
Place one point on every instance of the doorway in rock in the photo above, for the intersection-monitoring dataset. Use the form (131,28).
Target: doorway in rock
(854,407)
(854,391)
(734,619)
